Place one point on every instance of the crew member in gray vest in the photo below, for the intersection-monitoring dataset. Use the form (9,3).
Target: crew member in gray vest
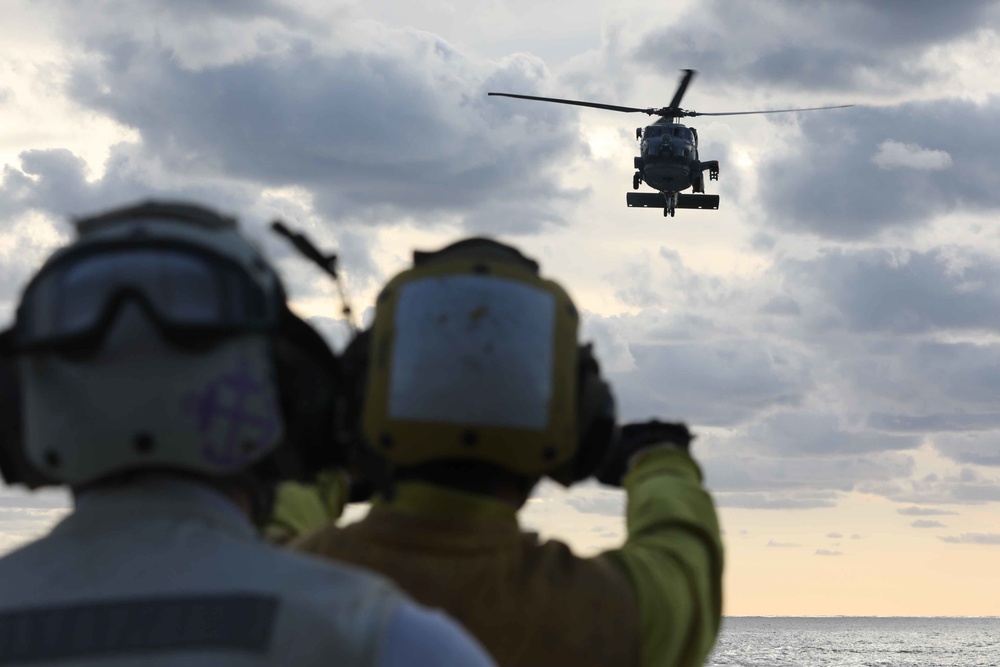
(155,368)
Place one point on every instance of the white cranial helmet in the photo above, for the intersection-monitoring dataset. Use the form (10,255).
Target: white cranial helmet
(146,344)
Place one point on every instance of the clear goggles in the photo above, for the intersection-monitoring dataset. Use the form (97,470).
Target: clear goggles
(191,294)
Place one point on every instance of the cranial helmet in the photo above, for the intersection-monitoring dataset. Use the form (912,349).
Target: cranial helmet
(473,356)
(160,339)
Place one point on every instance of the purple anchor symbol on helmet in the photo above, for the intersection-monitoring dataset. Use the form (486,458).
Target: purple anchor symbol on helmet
(236,416)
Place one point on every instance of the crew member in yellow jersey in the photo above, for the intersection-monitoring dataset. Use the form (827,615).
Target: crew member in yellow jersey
(471,387)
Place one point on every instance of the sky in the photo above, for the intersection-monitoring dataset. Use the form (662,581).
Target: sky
(831,333)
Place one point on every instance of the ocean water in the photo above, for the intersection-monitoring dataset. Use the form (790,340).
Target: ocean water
(843,641)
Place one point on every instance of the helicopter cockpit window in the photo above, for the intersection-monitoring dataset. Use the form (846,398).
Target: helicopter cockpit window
(682,133)
(653,131)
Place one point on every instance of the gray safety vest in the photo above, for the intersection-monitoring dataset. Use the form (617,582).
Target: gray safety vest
(162,573)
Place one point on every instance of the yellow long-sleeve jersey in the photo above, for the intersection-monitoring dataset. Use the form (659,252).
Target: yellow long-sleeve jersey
(656,601)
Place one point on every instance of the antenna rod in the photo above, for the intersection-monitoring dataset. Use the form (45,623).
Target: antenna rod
(328,263)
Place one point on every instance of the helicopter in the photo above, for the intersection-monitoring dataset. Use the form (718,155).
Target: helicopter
(668,158)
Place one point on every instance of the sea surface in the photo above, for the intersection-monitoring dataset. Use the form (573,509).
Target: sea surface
(851,641)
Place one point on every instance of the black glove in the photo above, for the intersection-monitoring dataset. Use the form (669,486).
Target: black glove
(634,438)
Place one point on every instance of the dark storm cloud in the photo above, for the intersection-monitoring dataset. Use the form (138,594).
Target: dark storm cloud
(923,511)
(856,173)
(903,292)
(972,538)
(403,129)
(823,46)
(925,523)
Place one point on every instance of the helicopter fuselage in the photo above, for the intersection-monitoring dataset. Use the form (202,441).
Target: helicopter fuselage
(668,159)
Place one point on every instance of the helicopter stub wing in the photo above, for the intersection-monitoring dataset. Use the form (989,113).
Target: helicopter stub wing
(656,200)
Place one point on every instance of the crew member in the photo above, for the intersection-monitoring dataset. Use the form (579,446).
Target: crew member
(471,387)
(155,369)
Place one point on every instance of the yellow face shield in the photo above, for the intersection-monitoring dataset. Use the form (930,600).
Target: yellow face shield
(473,358)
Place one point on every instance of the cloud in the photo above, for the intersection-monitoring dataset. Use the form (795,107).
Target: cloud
(913,510)
(714,382)
(958,421)
(769,501)
(25,517)
(925,523)
(834,536)
(14,499)
(972,538)
(900,291)
(737,471)
(975,448)
(782,545)
(603,503)
(50,186)
(782,305)
(804,433)
(648,281)
(893,154)
(375,130)
(967,487)
(846,195)
(855,537)
(828,552)
(54,182)
(948,376)
(820,46)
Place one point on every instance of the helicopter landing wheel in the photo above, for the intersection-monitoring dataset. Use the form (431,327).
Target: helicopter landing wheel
(635,181)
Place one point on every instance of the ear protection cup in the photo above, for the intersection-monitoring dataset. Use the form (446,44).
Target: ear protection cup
(311,391)
(597,427)
(11,453)
(369,472)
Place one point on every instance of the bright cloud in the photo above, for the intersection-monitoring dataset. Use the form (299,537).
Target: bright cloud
(892,154)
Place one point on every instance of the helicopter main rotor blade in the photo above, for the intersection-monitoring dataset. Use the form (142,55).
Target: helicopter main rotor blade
(681,89)
(593,105)
(745,113)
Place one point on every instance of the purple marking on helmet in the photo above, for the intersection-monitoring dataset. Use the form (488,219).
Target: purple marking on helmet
(245,432)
